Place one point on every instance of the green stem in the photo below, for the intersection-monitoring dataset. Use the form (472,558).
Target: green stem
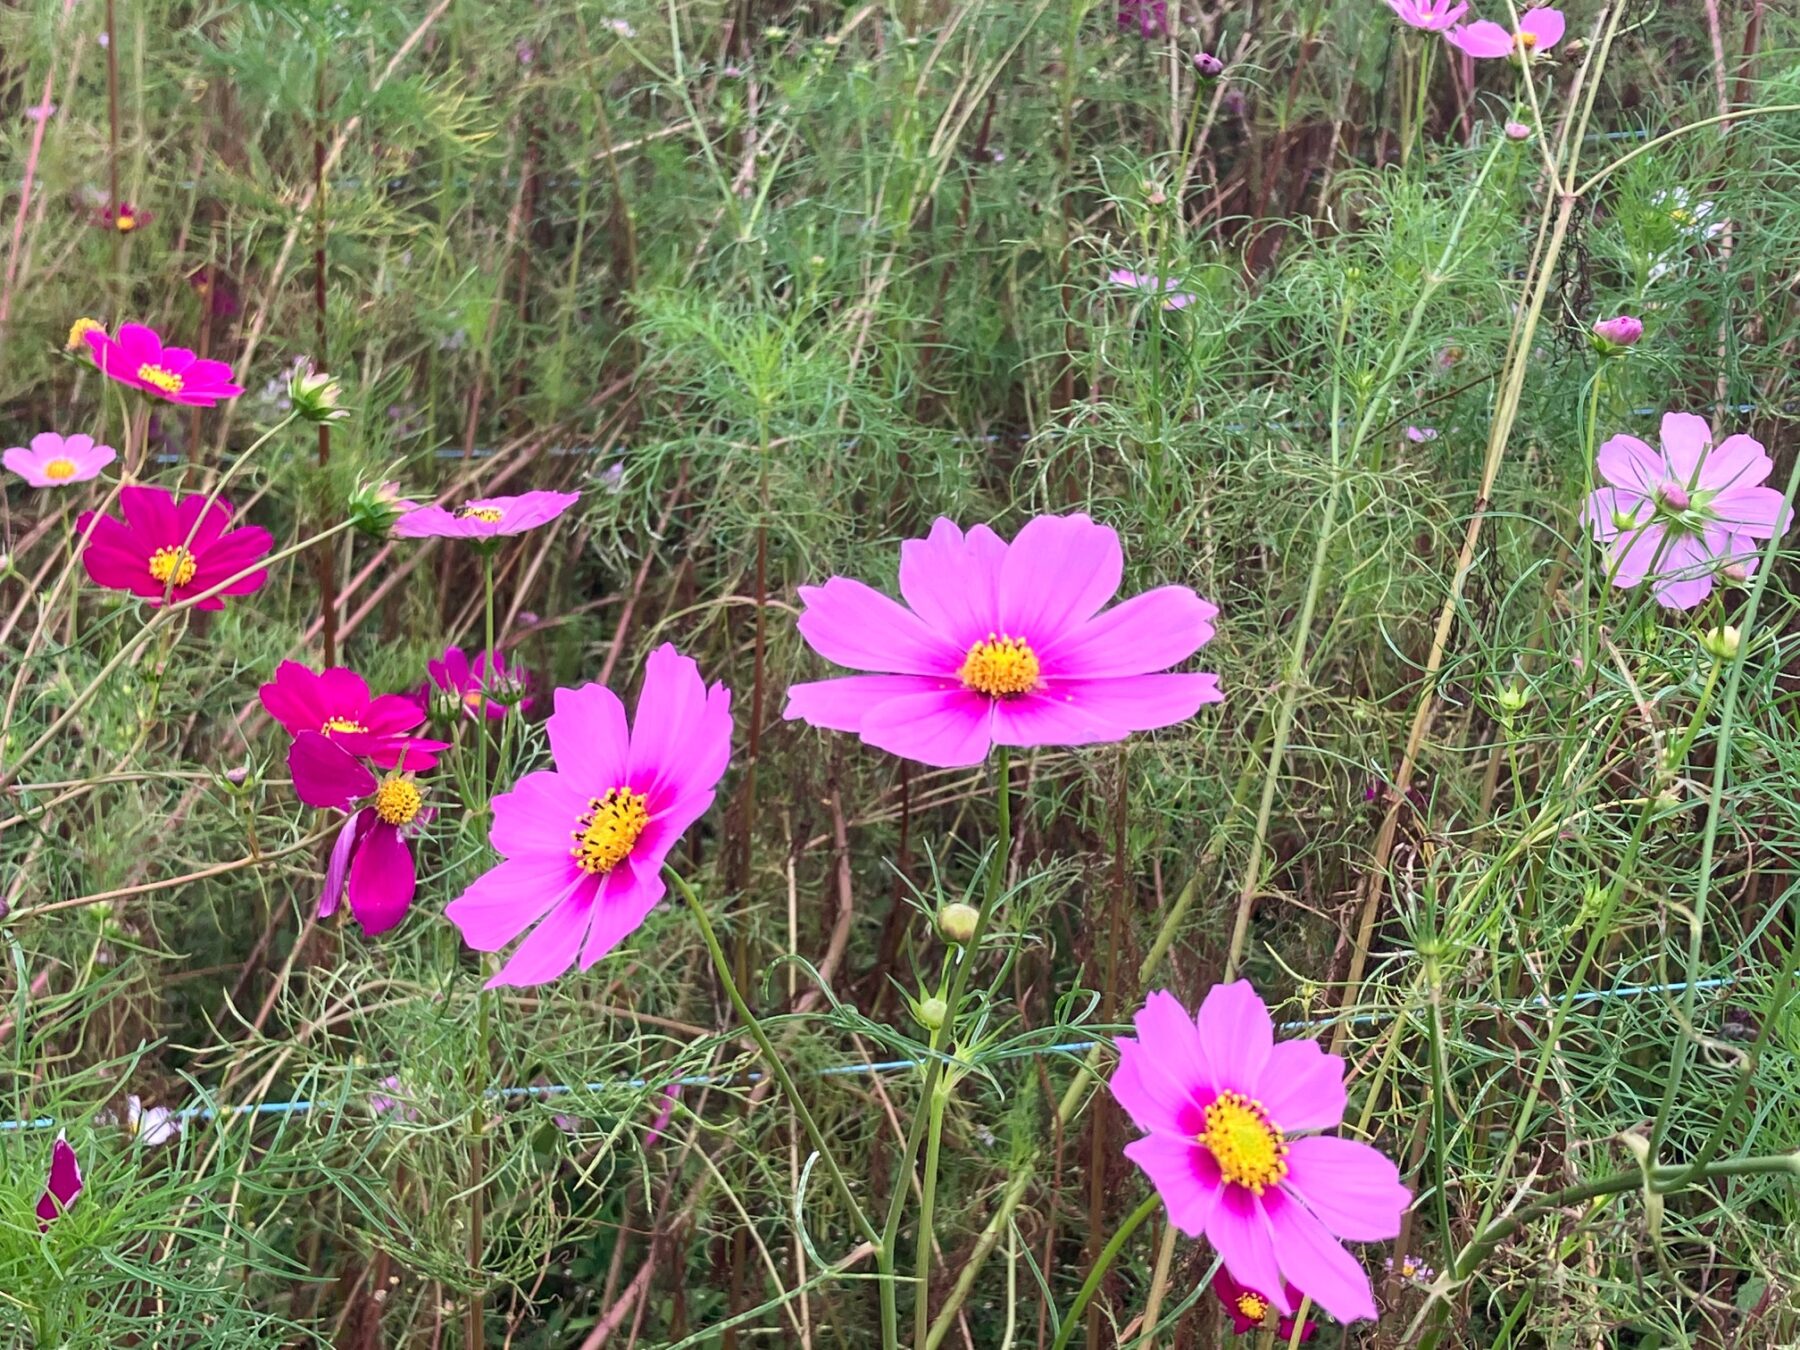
(475,1333)
(482,792)
(1102,1263)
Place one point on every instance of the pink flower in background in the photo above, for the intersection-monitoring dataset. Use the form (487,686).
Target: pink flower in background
(179,547)
(336,703)
(1003,644)
(1517,131)
(385,1102)
(670,1095)
(57,461)
(63,1186)
(1149,281)
(41,112)
(1229,1116)
(1430,16)
(460,687)
(154,1126)
(1539,31)
(1419,435)
(138,358)
(1678,515)
(370,858)
(485,517)
(583,844)
(1249,1310)
(1149,17)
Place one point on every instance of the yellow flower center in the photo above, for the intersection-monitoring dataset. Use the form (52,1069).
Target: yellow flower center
(475,700)
(1253,1306)
(78,332)
(346,724)
(1528,40)
(1000,667)
(1249,1149)
(60,469)
(493,515)
(397,801)
(1681,216)
(159,377)
(126,222)
(608,830)
(173,564)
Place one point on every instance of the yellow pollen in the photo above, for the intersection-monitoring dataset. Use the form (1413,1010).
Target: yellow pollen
(173,564)
(475,699)
(60,469)
(1000,667)
(159,377)
(78,332)
(493,515)
(609,829)
(397,801)
(1253,1306)
(1247,1145)
(1681,216)
(345,724)
(126,223)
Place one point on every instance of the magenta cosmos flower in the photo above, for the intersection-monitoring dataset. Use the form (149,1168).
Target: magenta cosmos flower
(1539,31)
(57,461)
(460,687)
(1003,644)
(370,857)
(484,517)
(336,703)
(64,1183)
(1679,515)
(1149,281)
(1249,1311)
(178,547)
(138,358)
(1430,16)
(583,844)
(1227,1111)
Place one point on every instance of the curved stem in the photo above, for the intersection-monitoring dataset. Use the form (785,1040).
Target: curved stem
(1102,1263)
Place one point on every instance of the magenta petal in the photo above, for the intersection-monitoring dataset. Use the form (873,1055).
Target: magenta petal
(1159,1085)
(1484,39)
(325,775)
(508,898)
(681,735)
(840,704)
(589,738)
(539,816)
(1138,702)
(64,1183)
(1316,1262)
(1353,1189)
(1146,633)
(854,625)
(1052,716)
(621,905)
(1238,1229)
(381,879)
(1302,1087)
(1237,1033)
(952,581)
(1059,571)
(1175,1066)
(949,729)
(554,945)
(337,866)
(1178,1168)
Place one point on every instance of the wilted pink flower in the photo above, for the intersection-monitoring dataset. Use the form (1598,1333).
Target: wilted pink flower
(370,859)
(1431,16)
(57,461)
(583,844)
(1249,1311)
(1623,331)
(1224,1106)
(138,358)
(64,1184)
(1539,31)
(1149,281)
(1003,644)
(485,517)
(459,687)
(1677,515)
(178,547)
(336,703)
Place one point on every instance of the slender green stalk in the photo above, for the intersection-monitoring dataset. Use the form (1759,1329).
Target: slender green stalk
(1102,1263)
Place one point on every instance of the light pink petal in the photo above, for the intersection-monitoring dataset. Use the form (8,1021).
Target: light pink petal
(381,879)
(538,818)
(1483,38)
(952,581)
(589,737)
(1236,1034)
(337,868)
(857,626)
(1685,576)
(1302,1087)
(1058,572)
(1354,1189)
(1146,633)
(622,905)
(949,729)
(1139,702)
(1178,1169)
(1316,1262)
(1736,462)
(1626,462)
(325,775)
(1755,511)
(1054,716)
(840,704)
(681,735)
(508,898)
(1239,1232)
(554,945)
(1686,438)
(26,464)
(1633,556)
(1545,24)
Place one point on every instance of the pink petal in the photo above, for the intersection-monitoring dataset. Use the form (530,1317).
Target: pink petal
(1174,1068)
(1236,1034)
(1353,1189)
(387,714)
(1735,462)
(295,698)
(952,581)
(508,898)
(1642,550)
(681,736)
(554,945)
(1685,441)
(538,818)
(668,822)
(1053,716)
(64,1183)
(382,879)
(1137,702)
(151,513)
(1483,38)
(1059,571)
(947,729)
(854,625)
(840,704)
(1148,632)
(138,344)
(1302,1087)
(1755,511)
(589,737)
(1546,24)
(1606,504)
(112,562)
(1685,576)
(1178,1168)
(1316,1262)
(620,908)
(1154,1096)
(1626,462)
(337,868)
(325,775)
(1239,1231)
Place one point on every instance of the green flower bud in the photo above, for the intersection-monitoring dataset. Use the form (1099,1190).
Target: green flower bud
(1722,644)
(956,923)
(931,1013)
(315,395)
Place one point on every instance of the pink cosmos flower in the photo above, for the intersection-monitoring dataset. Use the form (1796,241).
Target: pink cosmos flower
(57,461)
(336,704)
(1149,281)
(1430,16)
(1249,1310)
(485,517)
(172,546)
(1621,331)
(1678,515)
(1419,435)
(371,855)
(583,844)
(459,687)
(138,358)
(64,1184)
(1003,644)
(40,112)
(1539,31)
(1224,1107)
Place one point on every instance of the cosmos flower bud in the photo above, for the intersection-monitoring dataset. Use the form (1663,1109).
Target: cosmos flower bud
(956,923)
(932,1012)
(1208,65)
(1512,697)
(1722,644)
(315,395)
(1674,496)
(78,331)
(375,508)
(1613,336)
(1517,131)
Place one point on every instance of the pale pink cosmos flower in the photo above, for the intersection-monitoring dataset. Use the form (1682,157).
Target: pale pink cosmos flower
(1003,644)
(1539,31)
(64,1183)
(1430,16)
(1231,1144)
(583,844)
(1149,281)
(53,460)
(1678,515)
(1419,435)
(484,517)
(153,1126)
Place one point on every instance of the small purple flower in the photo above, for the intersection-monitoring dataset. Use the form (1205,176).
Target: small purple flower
(1149,281)
(1618,333)
(1419,435)
(1208,65)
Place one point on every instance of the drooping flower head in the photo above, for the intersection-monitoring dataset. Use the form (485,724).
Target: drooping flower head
(370,858)
(458,687)
(53,460)
(583,844)
(64,1183)
(1679,516)
(485,517)
(1430,16)
(1249,1311)
(336,704)
(1149,281)
(178,547)
(1230,1116)
(137,357)
(1003,644)
(1539,31)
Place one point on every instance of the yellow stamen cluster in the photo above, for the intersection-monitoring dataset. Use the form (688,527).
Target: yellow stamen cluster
(160,377)
(1248,1147)
(345,724)
(60,469)
(397,801)
(173,564)
(78,332)
(1253,1306)
(1000,667)
(492,515)
(608,830)
(1528,40)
